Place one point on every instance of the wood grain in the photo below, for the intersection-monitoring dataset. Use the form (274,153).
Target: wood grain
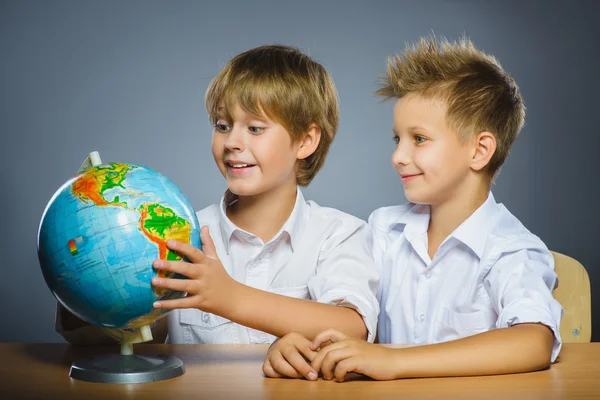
(40,371)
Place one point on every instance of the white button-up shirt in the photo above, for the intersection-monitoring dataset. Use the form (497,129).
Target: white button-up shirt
(491,272)
(320,254)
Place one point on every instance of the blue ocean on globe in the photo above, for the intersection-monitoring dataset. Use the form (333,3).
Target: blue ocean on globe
(99,235)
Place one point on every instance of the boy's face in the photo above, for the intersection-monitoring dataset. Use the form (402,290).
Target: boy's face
(254,154)
(431,161)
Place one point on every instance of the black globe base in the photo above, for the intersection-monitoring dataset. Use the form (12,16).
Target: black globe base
(117,368)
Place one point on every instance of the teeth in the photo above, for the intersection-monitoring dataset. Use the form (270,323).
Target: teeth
(239,165)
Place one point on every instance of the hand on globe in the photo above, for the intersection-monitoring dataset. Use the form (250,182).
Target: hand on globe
(209,287)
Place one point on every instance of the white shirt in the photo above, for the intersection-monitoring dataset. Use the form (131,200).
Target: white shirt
(320,254)
(491,272)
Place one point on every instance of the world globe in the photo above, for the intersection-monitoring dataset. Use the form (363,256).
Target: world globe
(99,235)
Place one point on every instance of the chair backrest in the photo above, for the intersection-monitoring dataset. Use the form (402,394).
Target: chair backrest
(574,294)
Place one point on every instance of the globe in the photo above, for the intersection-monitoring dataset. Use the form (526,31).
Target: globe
(99,235)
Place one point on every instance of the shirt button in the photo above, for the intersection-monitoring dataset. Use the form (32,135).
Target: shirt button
(428,275)
(422,317)
(205,318)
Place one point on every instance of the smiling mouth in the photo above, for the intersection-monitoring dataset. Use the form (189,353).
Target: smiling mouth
(238,165)
(407,178)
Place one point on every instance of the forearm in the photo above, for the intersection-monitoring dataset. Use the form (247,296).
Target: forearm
(521,348)
(280,315)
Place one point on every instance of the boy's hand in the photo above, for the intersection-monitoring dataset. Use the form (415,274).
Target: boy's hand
(209,287)
(289,357)
(327,337)
(339,355)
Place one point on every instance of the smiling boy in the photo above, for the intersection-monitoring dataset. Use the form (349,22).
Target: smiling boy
(271,262)
(462,280)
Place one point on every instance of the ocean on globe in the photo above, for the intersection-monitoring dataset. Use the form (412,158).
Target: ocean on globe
(99,235)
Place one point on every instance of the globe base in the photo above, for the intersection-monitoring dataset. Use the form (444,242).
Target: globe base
(117,368)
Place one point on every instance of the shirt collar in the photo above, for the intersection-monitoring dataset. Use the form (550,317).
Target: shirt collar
(414,222)
(293,226)
(473,231)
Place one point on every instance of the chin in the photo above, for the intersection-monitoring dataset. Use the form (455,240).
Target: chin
(244,188)
(417,198)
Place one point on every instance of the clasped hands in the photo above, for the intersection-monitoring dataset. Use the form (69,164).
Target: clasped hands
(331,353)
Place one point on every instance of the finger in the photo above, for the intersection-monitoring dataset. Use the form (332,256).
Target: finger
(269,371)
(304,349)
(179,285)
(330,361)
(187,250)
(184,302)
(208,246)
(295,359)
(330,335)
(281,366)
(317,362)
(343,367)
(192,271)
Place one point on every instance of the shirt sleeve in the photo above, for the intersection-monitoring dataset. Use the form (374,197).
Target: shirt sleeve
(346,273)
(521,284)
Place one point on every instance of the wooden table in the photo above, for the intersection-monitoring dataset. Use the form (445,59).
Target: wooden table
(40,371)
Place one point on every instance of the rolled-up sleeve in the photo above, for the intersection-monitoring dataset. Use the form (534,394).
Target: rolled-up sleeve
(521,284)
(346,274)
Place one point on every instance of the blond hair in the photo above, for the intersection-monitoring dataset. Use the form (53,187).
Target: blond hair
(480,96)
(287,86)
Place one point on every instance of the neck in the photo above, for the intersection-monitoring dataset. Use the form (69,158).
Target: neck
(264,214)
(449,214)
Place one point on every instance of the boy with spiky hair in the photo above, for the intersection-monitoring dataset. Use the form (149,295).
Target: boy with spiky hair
(462,280)
(266,251)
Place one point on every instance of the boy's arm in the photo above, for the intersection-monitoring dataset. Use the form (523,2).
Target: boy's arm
(344,287)
(521,348)
(279,315)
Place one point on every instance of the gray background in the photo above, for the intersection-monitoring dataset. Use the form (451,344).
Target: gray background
(128,78)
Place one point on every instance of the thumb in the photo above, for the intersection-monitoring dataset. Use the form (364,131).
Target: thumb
(208,246)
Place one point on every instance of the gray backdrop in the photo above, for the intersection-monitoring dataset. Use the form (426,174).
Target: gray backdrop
(127,78)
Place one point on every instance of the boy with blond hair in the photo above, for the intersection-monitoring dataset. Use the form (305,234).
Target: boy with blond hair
(266,251)
(462,280)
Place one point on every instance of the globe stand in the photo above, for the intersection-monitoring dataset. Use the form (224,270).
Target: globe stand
(127,367)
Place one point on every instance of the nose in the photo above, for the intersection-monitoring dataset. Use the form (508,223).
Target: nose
(235,140)
(402,154)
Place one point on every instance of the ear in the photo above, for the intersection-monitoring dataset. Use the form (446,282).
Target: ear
(484,147)
(309,142)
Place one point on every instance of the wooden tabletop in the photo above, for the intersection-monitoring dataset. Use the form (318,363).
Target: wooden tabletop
(41,371)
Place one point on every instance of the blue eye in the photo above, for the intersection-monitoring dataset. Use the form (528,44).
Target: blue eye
(396,139)
(255,130)
(222,128)
(420,139)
